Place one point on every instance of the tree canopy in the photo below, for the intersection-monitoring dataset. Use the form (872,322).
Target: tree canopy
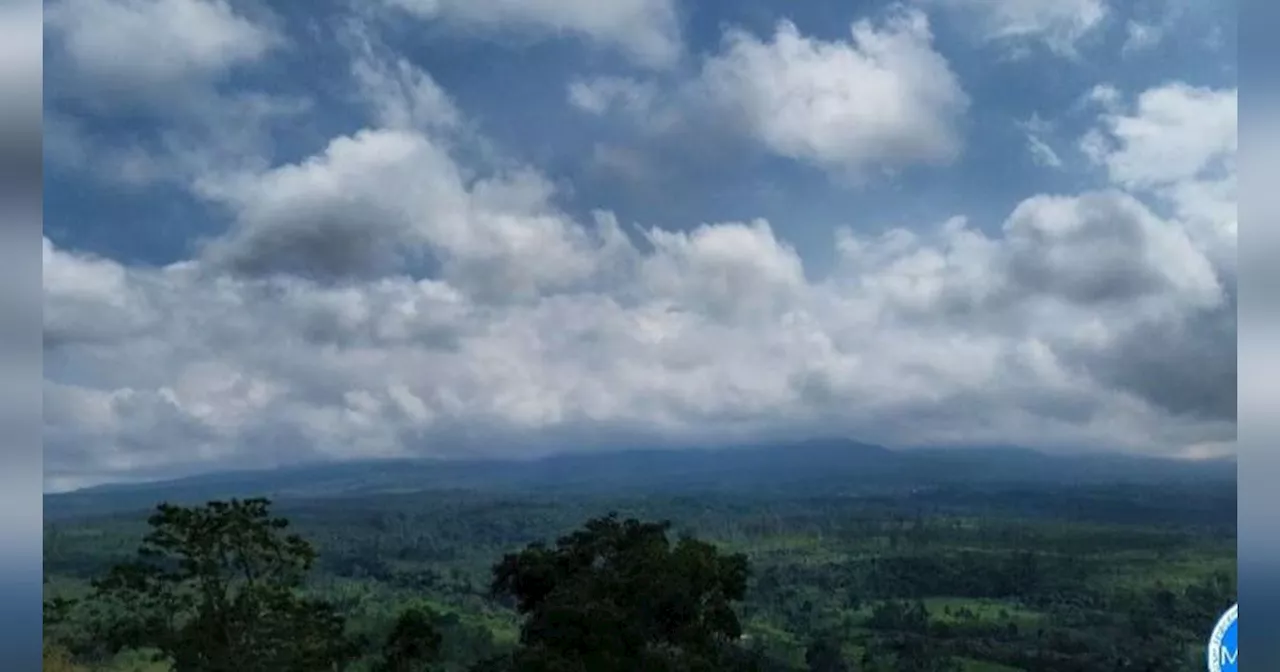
(413,645)
(215,588)
(620,595)
(409,584)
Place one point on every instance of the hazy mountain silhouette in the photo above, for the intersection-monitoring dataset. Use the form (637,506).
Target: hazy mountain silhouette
(814,467)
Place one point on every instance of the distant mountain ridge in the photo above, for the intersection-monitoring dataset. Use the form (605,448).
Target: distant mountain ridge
(813,467)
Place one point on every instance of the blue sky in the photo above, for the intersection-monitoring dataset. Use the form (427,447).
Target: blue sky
(288,231)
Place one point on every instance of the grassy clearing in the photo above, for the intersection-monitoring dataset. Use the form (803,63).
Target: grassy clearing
(953,610)
(971,665)
(1172,573)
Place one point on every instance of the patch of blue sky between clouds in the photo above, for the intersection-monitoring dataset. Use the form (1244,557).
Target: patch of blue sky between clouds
(511,86)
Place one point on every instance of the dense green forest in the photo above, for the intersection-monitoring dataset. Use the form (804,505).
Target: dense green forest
(1044,579)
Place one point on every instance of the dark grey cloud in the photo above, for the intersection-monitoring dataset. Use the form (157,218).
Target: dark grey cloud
(1186,366)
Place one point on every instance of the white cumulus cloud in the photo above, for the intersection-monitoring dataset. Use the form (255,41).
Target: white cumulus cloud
(148,47)
(884,98)
(1086,320)
(881,100)
(1177,143)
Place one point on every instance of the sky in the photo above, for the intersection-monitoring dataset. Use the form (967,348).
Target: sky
(285,232)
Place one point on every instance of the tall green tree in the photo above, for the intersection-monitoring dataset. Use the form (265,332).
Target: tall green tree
(413,645)
(619,595)
(824,655)
(217,588)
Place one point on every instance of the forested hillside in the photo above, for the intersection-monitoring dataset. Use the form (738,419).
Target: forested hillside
(828,467)
(1059,578)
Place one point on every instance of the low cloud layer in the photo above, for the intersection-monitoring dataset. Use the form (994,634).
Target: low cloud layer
(380,299)
(408,289)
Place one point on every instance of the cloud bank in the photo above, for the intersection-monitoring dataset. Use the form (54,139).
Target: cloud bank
(396,294)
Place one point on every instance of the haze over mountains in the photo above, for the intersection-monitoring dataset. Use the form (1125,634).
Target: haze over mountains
(819,467)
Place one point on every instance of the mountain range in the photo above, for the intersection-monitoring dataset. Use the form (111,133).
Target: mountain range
(818,467)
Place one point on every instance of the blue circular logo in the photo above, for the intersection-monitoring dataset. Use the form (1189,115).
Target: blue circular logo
(1222,644)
